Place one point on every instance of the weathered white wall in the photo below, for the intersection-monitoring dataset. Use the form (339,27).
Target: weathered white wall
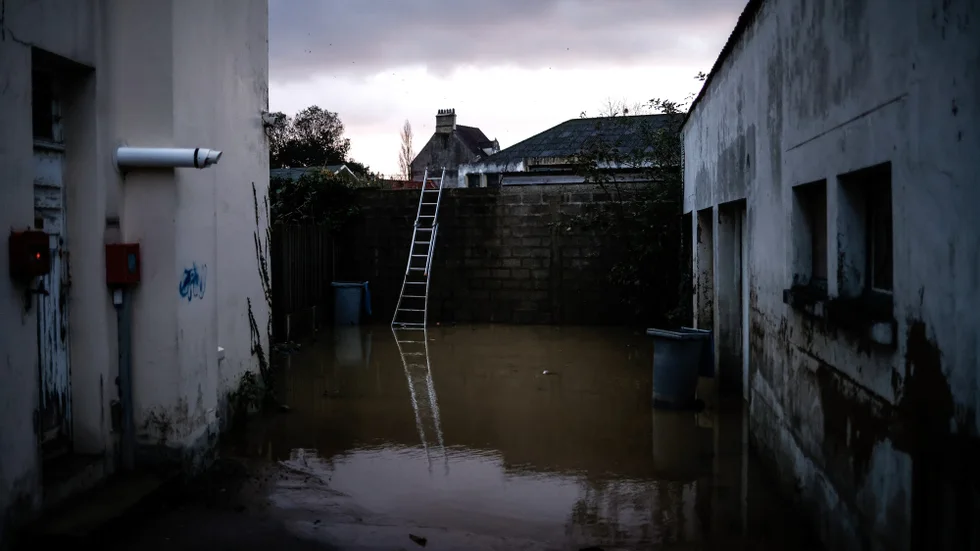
(245,162)
(204,222)
(222,90)
(813,91)
(69,34)
(148,73)
(485,167)
(19,476)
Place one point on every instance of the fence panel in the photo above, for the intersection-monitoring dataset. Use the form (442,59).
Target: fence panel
(302,267)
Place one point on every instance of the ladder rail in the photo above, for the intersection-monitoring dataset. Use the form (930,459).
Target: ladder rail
(434,404)
(428,276)
(432,246)
(407,268)
(442,179)
(411,392)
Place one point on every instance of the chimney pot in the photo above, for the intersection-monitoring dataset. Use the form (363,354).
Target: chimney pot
(445,121)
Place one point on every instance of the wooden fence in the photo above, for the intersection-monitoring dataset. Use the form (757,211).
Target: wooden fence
(302,270)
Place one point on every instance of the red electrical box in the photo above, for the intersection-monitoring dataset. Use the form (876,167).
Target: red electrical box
(122,264)
(30,254)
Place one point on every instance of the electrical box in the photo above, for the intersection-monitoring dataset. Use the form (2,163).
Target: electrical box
(122,264)
(30,254)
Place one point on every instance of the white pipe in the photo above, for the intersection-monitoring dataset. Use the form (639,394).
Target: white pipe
(166,157)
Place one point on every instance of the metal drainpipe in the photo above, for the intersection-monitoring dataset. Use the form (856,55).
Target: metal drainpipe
(120,298)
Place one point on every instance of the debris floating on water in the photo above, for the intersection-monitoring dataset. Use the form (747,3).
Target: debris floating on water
(418,539)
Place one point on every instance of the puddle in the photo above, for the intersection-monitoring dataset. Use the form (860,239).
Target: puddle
(512,438)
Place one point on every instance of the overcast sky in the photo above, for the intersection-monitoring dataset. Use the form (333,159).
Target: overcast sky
(510,67)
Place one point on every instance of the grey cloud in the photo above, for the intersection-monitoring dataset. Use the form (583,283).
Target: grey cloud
(359,37)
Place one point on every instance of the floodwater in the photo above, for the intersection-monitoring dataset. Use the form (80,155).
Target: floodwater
(511,438)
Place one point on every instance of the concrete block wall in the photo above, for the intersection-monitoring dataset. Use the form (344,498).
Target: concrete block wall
(503,255)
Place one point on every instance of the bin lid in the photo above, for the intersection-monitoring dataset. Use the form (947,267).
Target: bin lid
(349,283)
(677,335)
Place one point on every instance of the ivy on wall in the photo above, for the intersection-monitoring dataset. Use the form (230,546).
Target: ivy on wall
(646,252)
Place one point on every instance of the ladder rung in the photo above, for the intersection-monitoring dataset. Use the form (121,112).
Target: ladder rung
(419,255)
(418,270)
(413,353)
(427,216)
(425,229)
(413,296)
(410,310)
(415,282)
(410,342)
(423,242)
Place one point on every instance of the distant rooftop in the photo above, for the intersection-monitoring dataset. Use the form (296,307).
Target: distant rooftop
(573,136)
(473,138)
(295,173)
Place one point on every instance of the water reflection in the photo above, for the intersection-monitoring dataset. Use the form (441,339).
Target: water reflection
(572,457)
(352,347)
(413,348)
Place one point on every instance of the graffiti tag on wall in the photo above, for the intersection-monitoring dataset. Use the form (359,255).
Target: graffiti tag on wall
(193,282)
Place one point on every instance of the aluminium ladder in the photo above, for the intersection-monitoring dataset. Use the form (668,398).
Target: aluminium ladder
(412,309)
(409,322)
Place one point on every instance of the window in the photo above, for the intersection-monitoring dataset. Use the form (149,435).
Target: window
(866,231)
(43,107)
(493,180)
(472,180)
(810,234)
(879,232)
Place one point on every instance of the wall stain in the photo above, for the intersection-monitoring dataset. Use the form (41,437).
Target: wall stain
(774,74)
(164,425)
(855,422)
(926,401)
(945,485)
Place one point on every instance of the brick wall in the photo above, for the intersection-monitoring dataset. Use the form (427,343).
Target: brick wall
(502,256)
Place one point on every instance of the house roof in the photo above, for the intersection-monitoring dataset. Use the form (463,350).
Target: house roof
(289,173)
(295,173)
(744,20)
(572,136)
(473,138)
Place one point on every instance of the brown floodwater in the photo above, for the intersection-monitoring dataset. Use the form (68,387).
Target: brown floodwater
(511,438)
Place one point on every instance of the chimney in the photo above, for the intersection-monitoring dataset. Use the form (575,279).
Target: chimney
(445,121)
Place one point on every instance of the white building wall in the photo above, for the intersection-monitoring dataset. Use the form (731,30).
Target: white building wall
(246,86)
(812,91)
(148,73)
(69,34)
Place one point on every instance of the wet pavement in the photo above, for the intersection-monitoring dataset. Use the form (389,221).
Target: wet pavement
(512,438)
